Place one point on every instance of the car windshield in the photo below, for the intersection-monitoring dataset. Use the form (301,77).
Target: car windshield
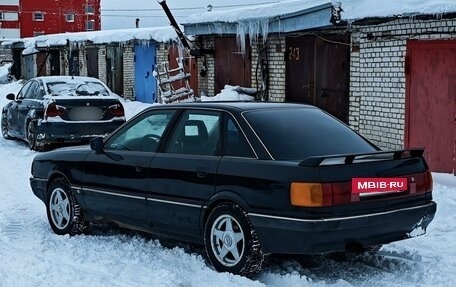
(298,133)
(78,88)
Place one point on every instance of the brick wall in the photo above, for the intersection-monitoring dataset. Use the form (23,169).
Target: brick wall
(276,67)
(82,62)
(162,58)
(129,72)
(377,78)
(207,84)
(102,63)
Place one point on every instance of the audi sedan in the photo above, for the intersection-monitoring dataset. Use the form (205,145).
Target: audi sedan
(242,179)
(57,109)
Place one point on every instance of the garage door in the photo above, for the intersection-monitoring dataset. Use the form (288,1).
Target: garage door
(431,101)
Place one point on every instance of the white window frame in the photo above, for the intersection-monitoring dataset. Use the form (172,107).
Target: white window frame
(70,17)
(90,23)
(38,13)
(89,9)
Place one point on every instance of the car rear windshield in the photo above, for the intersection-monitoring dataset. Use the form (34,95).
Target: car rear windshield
(298,133)
(77,88)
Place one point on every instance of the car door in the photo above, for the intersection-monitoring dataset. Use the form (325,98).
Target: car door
(28,105)
(183,174)
(116,179)
(16,107)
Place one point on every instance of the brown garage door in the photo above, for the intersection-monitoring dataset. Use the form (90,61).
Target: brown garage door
(318,72)
(232,67)
(431,101)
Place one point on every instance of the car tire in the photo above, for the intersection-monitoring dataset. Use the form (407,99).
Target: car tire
(31,135)
(231,242)
(5,127)
(32,141)
(63,211)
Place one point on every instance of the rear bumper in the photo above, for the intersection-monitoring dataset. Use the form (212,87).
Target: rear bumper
(68,132)
(302,236)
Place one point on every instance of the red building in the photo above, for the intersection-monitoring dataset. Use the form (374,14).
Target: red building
(9,19)
(29,18)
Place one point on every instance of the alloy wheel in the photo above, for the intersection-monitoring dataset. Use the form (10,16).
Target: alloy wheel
(227,240)
(59,207)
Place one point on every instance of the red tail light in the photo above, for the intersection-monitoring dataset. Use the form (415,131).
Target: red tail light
(54,110)
(117,110)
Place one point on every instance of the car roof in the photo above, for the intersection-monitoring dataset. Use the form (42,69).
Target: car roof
(239,106)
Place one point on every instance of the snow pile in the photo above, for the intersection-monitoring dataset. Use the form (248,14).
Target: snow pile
(5,73)
(231,93)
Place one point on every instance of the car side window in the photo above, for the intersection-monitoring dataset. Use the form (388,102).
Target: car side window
(144,134)
(32,91)
(197,132)
(234,143)
(23,91)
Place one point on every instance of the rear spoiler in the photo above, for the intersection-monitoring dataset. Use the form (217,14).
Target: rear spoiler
(338,159)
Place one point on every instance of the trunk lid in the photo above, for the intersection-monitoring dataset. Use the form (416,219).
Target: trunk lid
(337,171)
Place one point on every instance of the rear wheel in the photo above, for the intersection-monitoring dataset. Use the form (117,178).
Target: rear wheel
(230,241)
(32,141)
(5,127)
(63,211)
(31,135)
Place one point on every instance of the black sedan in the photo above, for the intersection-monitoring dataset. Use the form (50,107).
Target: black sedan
(58,109)
(242,179)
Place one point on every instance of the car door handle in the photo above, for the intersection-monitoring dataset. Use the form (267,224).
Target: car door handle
(201,174)
(139,168)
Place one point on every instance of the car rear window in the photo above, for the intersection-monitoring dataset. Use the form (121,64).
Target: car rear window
(77,88)
(298,133)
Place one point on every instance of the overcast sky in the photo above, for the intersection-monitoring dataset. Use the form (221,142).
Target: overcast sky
(120,14)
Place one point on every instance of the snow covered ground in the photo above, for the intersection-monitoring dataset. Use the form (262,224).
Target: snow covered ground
(31,255)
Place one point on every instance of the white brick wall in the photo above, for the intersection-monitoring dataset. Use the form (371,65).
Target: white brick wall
(377,76)
(129,72)
(206,84)
(276,67)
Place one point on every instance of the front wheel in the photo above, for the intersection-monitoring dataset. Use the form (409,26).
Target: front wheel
(230,241)
(5,127)
(63,211)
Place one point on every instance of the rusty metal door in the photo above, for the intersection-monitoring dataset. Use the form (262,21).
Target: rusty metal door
(73,63)
(54,62)
(318,72)
(232,67)
(92,62)
(114,69)
(431,101)
(190,66)
(41,63)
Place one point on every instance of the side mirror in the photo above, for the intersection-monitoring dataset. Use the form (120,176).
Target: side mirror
(97,144)
(10,97)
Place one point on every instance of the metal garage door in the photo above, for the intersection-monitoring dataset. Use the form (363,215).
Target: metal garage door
(431,101)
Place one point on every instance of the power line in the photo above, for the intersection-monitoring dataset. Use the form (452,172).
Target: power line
(188,8)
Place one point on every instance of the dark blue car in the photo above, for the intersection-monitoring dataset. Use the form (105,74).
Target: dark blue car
(59,109)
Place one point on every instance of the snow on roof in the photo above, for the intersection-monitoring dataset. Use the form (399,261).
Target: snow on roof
(256,12)
(351,9)
(158,34)
(359,9)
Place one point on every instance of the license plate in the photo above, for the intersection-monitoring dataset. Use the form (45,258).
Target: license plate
(378,185)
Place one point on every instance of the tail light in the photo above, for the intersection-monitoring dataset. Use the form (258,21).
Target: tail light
(54,110)
(117,110)
(310,194)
